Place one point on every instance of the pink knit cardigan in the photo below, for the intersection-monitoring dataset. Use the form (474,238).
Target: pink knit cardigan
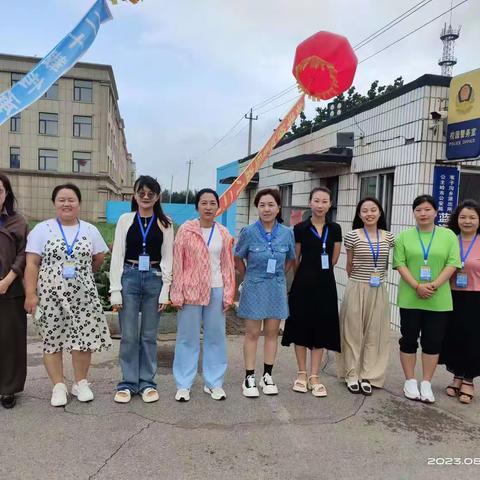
(192,270)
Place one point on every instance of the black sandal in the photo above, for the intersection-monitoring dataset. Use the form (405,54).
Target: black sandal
(467,397)
(353,388)
(366,387)
(454,388)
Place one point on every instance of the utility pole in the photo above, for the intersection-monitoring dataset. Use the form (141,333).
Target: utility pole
(189,163)
(171,189)
(250,118)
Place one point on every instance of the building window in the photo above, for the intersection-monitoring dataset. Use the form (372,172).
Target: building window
(48,160)
(16,123)
(82,162)
(15,77)
(14,157)
(48,123)
(286,196)
(379,186)
(52,92)
(82,126)
(83,91)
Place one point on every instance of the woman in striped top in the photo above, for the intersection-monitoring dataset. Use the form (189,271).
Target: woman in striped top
(365,312)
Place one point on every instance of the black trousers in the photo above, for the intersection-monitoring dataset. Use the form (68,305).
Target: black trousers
(429,326)
(13,345)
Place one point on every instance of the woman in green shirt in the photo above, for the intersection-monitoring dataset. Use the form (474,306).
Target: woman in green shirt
(426,256)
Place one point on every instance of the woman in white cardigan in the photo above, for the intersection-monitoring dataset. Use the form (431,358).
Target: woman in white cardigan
(140,279)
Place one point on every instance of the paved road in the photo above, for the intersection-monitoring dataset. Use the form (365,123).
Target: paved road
(290,436)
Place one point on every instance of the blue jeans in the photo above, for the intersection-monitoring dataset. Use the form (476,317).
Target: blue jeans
(187,347)
(138,346)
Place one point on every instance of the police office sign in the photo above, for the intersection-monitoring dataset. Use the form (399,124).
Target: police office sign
(463,132)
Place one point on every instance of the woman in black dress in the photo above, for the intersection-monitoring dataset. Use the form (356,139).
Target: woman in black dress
(313,322)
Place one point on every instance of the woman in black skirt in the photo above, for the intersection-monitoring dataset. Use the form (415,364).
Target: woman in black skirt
(313,322)
(461,351)
(13,321)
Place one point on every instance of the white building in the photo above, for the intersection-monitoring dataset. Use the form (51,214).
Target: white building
(394,147)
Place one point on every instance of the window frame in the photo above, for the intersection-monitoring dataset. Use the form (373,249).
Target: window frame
(46,123)
(45,157)
(80,89)
(16,154)
(75,160)
(55,88)
(16,123)
(384,186)
(80,123)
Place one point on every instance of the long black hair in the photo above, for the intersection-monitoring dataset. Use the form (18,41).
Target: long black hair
(149,182)
(358,222)
(10,202)
(453,221)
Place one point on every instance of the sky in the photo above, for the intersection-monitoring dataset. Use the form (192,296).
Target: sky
(187,71)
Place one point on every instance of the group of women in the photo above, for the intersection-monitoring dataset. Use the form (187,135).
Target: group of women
(49,274)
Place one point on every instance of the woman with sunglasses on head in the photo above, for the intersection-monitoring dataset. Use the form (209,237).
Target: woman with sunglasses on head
(62,255)
(461,348)
(426,256)
(313,321)
(203,289)
(365,312)
(264,253)
(13,320)
(140,279)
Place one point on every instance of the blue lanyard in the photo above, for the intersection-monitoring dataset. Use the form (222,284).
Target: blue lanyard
(464,257)
(268,238)
(143,231)
(69,247)
(376,254)
(427,251)
(211,234)
(324,235)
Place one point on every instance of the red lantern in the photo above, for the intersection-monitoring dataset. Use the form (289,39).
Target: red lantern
(324,65)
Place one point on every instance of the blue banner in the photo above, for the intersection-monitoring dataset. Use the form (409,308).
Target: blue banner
(446,180)
(61,59)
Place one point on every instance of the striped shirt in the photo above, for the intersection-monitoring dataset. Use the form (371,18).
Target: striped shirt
(363,265)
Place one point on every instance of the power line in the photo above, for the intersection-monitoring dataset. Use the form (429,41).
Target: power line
(391,24)
(413,31)
(279,105)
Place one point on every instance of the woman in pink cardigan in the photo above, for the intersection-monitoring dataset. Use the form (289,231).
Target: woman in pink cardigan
(203,288)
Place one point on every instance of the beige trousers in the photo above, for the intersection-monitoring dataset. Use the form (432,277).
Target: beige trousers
(364,333)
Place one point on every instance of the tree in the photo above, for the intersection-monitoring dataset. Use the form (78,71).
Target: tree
(178,197)
(349,101)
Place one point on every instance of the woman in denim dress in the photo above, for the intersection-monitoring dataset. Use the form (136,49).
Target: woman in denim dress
(264,253)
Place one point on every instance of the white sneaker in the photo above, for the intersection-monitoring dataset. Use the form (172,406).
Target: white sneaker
(410,389)
(82,391)
(249,387)
(182,395)
(426,394)
(59,395)
(268,385)
(217,393)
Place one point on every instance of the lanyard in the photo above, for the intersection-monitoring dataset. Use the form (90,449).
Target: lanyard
(69,247)
(324,235)
(143,231)
(211,234)
(268,238)
(376,254)
(464,257)
(427,251)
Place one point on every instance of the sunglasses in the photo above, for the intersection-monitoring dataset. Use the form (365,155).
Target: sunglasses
(148,195)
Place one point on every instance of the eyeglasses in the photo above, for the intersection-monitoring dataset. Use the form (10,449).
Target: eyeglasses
(148,195)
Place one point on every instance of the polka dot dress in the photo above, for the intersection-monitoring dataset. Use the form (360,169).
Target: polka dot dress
(73,316)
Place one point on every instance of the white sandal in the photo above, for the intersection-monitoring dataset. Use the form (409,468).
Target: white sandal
(122,396)
(150,395)
(318,389)
(300,385)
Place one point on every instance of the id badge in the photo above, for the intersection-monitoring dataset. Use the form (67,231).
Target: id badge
(461,280)
(375,280)
(325,262)
(143,263)
(68,270)
(425,273)
(271,265)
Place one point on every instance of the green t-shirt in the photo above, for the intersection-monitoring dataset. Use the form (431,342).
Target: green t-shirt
(443,252)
